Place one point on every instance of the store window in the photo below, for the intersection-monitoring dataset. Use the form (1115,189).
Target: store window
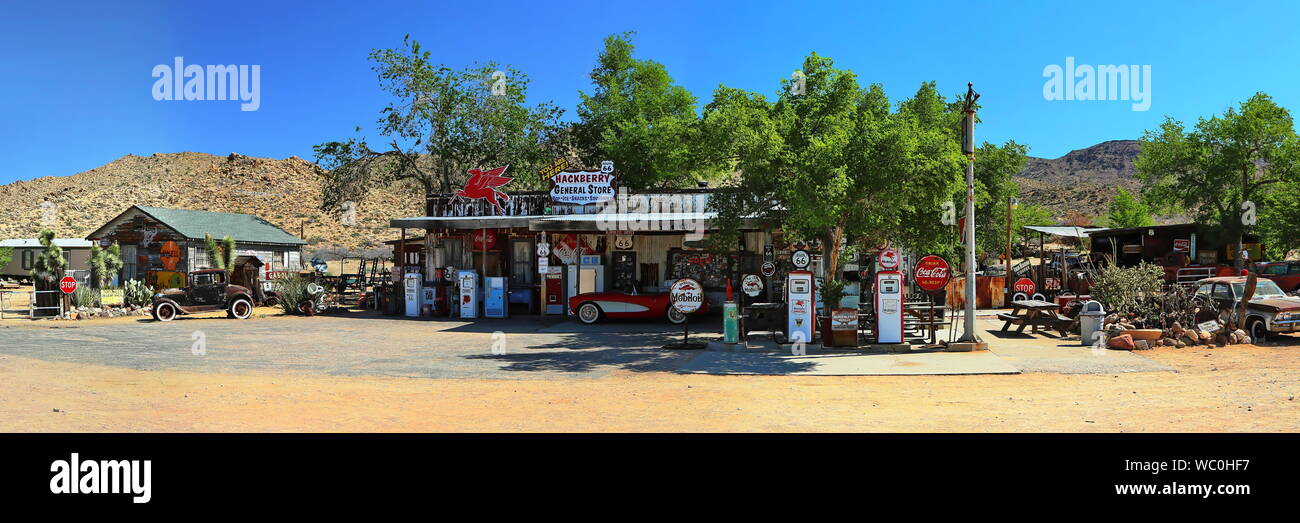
(29,259)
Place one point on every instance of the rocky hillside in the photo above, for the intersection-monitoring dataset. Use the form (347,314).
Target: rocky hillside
(285,192)
(1084,180)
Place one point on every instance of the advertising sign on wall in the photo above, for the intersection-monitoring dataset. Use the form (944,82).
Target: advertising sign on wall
(583,187)
(932,273)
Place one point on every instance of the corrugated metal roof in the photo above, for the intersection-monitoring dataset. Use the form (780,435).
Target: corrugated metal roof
(1071,232)
(32,242)
(242,227)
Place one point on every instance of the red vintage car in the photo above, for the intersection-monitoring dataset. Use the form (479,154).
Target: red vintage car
(1286,274)
(591,307)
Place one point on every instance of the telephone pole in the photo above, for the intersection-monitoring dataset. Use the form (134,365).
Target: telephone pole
(969,340)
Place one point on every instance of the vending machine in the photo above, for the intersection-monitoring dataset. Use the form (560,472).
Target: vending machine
(592,276)
(889,307)
(495,299)
(414,289)
(470,293)
(801,310)
(554,282)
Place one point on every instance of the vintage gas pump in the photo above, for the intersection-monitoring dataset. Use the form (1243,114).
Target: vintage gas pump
(800,307)
(470,293)
(889,307)
(411,283)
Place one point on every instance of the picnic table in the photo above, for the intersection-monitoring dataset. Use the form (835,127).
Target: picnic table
(926,316)
(1035,314)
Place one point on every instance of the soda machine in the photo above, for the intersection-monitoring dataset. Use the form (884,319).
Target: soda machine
(470,292)
(495,298)
(554,282)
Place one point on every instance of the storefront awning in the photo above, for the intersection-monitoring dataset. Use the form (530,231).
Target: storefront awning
(462,222)
(1069,232)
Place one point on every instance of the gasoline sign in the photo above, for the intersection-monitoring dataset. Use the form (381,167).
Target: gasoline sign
(800,259)
(751,285)
(687,295)
(768,269)
(888,259)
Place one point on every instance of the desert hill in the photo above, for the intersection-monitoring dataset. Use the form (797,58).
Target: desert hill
(285,192)
(1084,180)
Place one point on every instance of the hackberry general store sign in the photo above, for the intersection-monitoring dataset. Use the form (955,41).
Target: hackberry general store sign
(584,187)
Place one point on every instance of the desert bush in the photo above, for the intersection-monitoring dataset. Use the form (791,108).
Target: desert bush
(85,296)
(292,289)
(135,292)
(1130,290)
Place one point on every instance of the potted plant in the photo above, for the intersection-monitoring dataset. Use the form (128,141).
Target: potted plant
(840,333)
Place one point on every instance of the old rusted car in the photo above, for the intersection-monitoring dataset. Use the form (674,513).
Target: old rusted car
(1269,311)
(206,290)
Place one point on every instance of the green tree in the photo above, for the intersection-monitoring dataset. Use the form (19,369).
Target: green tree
(104,264)
(439,124)
(1243,155)
(6,255)
(1127,211)
(221,255)
(1029,214)
(48,267)
(637,117)
(829,161)
(995,169)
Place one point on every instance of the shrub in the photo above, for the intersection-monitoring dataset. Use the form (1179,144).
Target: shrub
(85,296)
(1130,290)
(292,289)
(135,292)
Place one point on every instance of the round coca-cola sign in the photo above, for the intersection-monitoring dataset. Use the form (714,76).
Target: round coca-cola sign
(932,273)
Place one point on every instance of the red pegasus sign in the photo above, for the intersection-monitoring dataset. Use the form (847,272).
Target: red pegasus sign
(932,273)
(482,185)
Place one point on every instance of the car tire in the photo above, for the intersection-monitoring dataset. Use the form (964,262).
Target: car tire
(240,309)
(589,313)
(1257,330)
(674,316)
(164,312)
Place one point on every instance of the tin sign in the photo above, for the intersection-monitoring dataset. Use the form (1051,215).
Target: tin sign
(932,273)
(888,259)
(687,295)
(800,259)
(751,285)
(768,269)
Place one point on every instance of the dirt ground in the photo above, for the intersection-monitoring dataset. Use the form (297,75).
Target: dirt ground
(1232,389)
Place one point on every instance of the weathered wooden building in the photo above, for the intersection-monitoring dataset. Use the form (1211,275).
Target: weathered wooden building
(160,245)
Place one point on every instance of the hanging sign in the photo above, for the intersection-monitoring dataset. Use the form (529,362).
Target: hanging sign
(566,249)
(769,253)
(543,249)
(932,273)
(543,265)
(583,187)
(800,259)
(482,185)
(751,285)
(623,243)
(768,269)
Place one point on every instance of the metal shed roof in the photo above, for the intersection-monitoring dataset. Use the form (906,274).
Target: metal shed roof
(1071,232)
(32,242)
(194,224)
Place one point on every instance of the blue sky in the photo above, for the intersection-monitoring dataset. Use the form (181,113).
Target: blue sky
(75,78)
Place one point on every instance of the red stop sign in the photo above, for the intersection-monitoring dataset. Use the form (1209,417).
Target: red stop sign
(68,285)
(1025,285)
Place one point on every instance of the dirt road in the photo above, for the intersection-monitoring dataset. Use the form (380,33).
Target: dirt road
(1240,388)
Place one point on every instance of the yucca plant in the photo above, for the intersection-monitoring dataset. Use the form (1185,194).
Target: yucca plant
(292,289)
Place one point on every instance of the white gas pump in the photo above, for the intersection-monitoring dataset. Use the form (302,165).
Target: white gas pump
(801,310)
(412,282)
(889,307)
(470,294)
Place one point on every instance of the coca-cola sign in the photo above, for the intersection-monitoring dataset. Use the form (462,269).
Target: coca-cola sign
(932,273)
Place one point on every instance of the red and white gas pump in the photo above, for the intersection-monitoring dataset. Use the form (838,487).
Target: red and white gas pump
(889,298)
(801,310)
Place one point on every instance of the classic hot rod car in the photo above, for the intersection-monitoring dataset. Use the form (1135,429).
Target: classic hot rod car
(206,290)
(590,307)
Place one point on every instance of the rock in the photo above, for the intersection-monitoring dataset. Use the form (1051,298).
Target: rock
(1141,345)
(1121,342)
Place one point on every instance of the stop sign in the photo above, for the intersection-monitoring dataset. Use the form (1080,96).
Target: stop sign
(1024,285)
(68,285)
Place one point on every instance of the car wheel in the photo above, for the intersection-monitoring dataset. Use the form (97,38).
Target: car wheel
(675,316)
(589,313)
(241,309)
(164,312)
(1258,331)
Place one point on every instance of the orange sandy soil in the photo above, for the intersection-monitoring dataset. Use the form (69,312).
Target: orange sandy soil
(1238,388)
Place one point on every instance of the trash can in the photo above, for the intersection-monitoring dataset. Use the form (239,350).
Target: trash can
(1090,317)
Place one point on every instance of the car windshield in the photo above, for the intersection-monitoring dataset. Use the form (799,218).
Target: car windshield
(1263,289)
